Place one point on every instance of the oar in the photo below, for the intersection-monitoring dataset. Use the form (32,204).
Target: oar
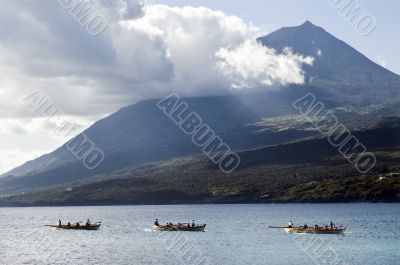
(277,227)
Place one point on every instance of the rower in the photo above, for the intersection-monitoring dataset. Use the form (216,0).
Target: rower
(332,225)
(192,223)
(290,224)
(88,222)
(156,222)
(59,223)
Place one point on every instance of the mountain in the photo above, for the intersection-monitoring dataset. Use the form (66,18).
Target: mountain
(342,71)
(141,133)
(305,171)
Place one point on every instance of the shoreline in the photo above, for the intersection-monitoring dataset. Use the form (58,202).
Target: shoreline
(191,204)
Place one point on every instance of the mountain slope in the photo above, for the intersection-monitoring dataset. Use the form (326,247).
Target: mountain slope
(346,73)
(306,171)
(142,133)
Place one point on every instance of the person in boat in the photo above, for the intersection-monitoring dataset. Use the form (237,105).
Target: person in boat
(88,223)
(193,223)
(290,224)
(331,225)
(59,223)
(305,226)
(69,224)
(77,225)
(156,222)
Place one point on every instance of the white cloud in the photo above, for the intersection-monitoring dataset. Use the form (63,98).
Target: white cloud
(23,139)
(12,158)
(146,51)
(12,126)
(189,38)
(381,60)
(251,64)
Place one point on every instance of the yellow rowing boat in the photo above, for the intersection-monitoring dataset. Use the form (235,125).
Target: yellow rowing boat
(312,230)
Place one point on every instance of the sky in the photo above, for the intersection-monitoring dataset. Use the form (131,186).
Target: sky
(380,46)
(87,71)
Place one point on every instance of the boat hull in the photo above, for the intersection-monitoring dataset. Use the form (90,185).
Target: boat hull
(80,227)
(199,228)
(300,230)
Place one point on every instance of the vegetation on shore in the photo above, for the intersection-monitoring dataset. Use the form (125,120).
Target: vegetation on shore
(304,171)
(197,182)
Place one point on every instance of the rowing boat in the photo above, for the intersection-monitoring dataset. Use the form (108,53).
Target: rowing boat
(94,226)
(180,227)
(311,230)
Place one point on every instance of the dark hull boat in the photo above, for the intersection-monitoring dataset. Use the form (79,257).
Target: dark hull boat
(94,226)
(180,227)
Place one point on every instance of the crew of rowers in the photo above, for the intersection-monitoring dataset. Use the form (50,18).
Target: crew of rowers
(88,223)
(331,226)
(156,223)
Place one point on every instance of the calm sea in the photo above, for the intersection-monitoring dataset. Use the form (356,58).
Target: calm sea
(235,234)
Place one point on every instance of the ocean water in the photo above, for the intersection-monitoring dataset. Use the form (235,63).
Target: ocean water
(235,234)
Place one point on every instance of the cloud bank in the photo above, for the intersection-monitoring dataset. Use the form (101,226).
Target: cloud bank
(146,51)
(251,64)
